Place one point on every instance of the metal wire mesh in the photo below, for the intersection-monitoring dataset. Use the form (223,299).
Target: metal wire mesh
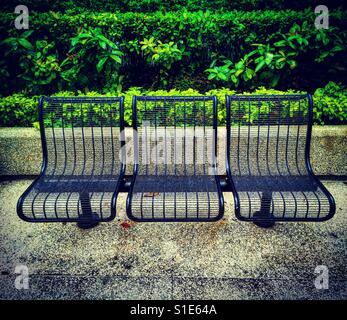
(175,149)
(82,168)
(268,159)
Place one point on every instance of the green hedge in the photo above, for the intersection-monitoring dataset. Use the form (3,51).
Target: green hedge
(329,103)
(170,5)
(201,37)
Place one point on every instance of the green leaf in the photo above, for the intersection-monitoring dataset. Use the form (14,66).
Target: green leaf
(337,48)
(8,40)
(116,58)
(108,42)
(291,44)
(26,34)
(84,35)
(238,72)
(102,44)
(268,58)
(275,80)
(117,52)
(260,65)
(249,73)
(222,76)
(101,63)
(240,65)
(281,43)
(292,64)
(25,43)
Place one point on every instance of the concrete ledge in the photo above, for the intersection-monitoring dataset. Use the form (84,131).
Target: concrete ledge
(20,151)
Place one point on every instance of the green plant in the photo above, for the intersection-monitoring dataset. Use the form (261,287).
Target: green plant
(266,59)
(231,71)
(13,48)
(203,35)
(17,43)
(18,110)
(330,104)
(160,5)
(162,54)
(328,42)
(38,63)
(276,59)
(41,66)
(91,47)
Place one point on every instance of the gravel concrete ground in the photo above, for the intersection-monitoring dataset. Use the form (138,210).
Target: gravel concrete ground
(228,259)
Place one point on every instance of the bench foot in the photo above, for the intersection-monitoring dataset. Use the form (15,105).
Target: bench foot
(88,221)
(263,223)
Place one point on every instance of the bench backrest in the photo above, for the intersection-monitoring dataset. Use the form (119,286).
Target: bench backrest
(175,135)
(82,136)
(268,135)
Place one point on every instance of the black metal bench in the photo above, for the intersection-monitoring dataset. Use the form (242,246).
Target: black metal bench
(82,169)
(268,166)
(175,146)
(174,175)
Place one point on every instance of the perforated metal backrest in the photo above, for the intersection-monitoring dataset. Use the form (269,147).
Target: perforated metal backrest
(176,135)
(268,135)
(82,136)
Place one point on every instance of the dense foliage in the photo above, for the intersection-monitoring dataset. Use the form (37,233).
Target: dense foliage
(168,5)
(329,103)
(183,47)
(201,50)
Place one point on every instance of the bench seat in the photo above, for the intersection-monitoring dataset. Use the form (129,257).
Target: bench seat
(82,172)
(175,198)
(268,166)
(174,175)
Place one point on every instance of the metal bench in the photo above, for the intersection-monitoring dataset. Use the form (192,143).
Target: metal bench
(174,176)
(268,166)
(82,169)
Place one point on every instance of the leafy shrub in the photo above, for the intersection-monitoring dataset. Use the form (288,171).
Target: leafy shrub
(275,60)
(190,41)
(18,110)
(41,67)
(91,47)
(329,103)
(155,5)
(164,54)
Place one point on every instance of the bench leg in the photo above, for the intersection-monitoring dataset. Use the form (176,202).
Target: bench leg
(88,218)
(264,212)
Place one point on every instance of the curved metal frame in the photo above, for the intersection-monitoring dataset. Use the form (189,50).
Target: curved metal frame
(45,159)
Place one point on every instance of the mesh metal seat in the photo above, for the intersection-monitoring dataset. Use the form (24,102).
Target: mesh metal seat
(268,167)
(175,160)
(82,169)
